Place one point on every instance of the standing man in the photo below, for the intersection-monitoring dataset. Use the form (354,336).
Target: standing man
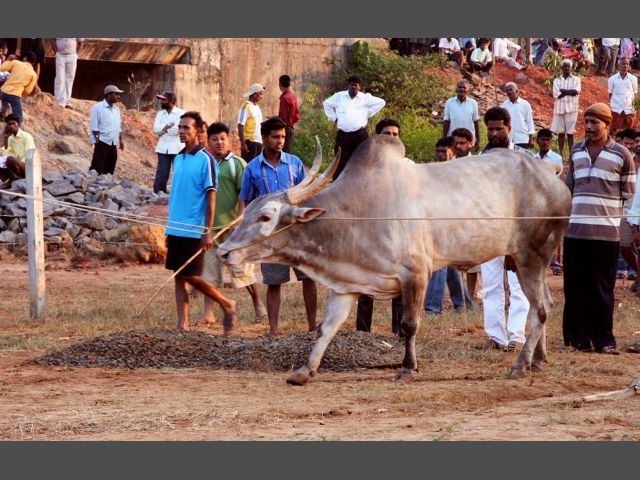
(601,177)
(504,334)
(566,89)
(449,275)
(628,139)
(228,208)
(21,82)
(462,146)
(364,312)
(166,127)
(249,120)
(192,201)
(289,112)
(609,56)
(522,127)
(66,50)
(350,110)
(106,129)
(461,111)
(623,88)
(16,143)
(272,171)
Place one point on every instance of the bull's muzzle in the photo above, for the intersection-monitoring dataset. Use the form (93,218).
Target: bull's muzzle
(223,254)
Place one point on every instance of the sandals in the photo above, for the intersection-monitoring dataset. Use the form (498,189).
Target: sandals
(634,348)
(609,350)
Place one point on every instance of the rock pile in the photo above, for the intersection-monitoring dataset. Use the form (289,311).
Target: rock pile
(155,348)
(67,225)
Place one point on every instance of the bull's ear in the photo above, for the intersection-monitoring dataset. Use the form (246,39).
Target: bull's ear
(304,215)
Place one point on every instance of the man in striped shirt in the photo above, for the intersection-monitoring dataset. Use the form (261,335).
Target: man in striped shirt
(601,176)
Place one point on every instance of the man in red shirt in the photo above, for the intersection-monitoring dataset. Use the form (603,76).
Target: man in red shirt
(289,112)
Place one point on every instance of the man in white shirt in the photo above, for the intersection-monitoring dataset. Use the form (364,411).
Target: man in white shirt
(504,333)
(106,131)
(350,111)
(623,88)
(480,59)
(504,50)
(566,89)
(544,140)
(461,112)
(66,50)
(608,56)
(166,127)
(451,48)
(522,127)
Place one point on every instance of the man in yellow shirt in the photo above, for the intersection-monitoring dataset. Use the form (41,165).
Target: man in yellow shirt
(16,143)
(22,80)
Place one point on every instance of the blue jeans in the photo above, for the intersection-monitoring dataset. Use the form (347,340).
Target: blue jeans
(435,291)
(14,101)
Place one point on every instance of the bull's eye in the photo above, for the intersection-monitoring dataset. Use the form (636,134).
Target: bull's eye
(264,218)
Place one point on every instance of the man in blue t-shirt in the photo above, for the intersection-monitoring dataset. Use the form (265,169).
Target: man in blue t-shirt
(271,171)
(192,204)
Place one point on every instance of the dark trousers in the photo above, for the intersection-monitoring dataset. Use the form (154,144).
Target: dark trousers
(364,313)
(254,150)
(589,279)
(104,158)
(477,67)
(162,172)
(13,169)
(348,142)
(11,44)
(14,102)
(288,141)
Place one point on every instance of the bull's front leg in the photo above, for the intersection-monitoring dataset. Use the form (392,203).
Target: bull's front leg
(338,308)
(412,299)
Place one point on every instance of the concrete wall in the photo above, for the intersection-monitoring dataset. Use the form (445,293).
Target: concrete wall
(222,69)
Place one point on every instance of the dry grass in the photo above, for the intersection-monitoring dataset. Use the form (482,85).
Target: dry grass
(460,391)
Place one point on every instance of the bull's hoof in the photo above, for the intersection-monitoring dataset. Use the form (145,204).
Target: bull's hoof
(299,377)
(536,366)
(405,374)
(517,372)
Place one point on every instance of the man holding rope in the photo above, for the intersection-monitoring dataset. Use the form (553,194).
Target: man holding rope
(192,202)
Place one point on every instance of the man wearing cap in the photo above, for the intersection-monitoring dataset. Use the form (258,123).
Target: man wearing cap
(566,89)
(249,120)
(601,176)
(106,131)
(623,88)
(350,110)
(166,127)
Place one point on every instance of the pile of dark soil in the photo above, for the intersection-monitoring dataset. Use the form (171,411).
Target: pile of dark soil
(156,348)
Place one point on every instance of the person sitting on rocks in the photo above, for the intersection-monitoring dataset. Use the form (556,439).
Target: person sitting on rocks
(480,59)
(16,143)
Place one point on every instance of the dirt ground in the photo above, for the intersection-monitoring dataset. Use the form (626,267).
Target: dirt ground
(460,392)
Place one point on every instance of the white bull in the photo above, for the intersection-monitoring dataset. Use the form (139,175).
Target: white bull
(384,258)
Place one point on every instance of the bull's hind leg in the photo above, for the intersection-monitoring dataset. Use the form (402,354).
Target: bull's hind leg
(338,308)
(531,270)
(412,299)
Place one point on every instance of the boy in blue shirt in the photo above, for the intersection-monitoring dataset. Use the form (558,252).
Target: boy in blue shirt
(271,171)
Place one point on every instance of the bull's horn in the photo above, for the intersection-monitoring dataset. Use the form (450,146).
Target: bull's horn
(301,192)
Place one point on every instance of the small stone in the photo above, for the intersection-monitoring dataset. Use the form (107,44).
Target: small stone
(23,238)
(77,198)
(61,146)
(19,185)
(111,205)
(52,176)
(54,239)
(16,210)
(60,188)
(73,230)
(93,221)
(8,237)
(15,225)
(111,223)
(53,231)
